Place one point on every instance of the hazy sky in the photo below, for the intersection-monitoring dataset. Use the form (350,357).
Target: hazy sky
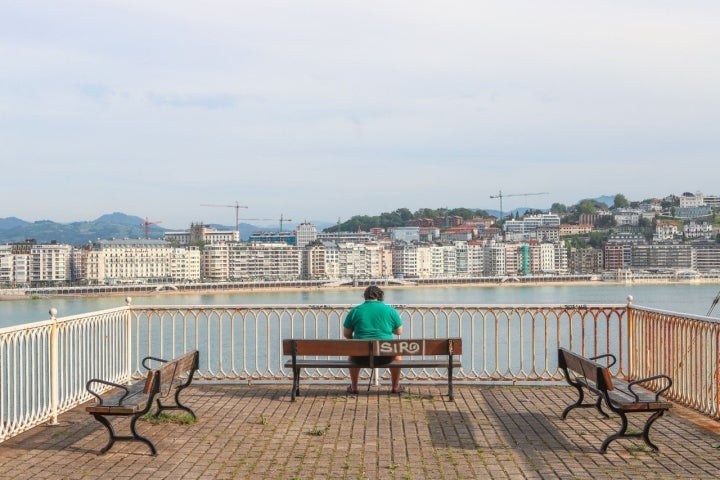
(319,110)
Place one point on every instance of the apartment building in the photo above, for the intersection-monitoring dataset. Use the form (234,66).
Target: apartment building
(475,258)
(50,264)
(663,255)
(706,256)
(201,234)
(138,261)
(694,230)
(582,261)
(263,261)
(665,231)
(314,262)
(533,227)
(7,272)
(305,234)
(691,200)
(494,260)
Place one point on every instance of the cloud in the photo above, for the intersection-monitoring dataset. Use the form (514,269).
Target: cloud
(211,101)
(322,109)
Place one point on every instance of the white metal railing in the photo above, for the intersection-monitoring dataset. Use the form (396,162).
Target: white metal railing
(44,366)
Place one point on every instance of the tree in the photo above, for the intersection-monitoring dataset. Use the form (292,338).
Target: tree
(620,201)
(597,239)
(605,221)
(586,207)
(465,213)
(405,214)
(558,208)
(426,213)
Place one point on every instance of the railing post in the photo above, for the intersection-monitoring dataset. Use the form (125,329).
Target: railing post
(128,340)
(632,348)
(54,368)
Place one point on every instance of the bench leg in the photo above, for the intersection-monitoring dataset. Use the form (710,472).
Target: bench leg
(622,432)
(579,403)
(296,385)
(113,437)
(176,406)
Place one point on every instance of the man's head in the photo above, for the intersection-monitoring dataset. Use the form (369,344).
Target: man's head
(374,292)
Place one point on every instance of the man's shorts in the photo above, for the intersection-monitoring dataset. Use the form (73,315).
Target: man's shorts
(364,361)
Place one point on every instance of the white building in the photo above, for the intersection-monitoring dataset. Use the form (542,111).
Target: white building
(627,216)
(7,272)
(140,261)
(494,260)
(665,231)
(475,259)
(405,234)
(305,233)
(264,261)
(693,229)
(50,263)
(201,234)
(689,200)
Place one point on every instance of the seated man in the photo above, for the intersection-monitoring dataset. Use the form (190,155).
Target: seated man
(373,320)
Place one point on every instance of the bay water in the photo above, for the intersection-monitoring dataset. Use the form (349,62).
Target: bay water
(688,298)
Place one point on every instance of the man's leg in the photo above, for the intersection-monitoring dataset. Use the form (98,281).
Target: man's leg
(354,375)
(395,376)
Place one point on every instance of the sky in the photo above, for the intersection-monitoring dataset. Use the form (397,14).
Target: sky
(320,110)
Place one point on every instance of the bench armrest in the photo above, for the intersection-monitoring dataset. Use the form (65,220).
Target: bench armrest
(105,382)
(606,355)
(648,379)
(148,359)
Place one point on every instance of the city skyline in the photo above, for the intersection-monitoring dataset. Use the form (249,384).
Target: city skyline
(322,111)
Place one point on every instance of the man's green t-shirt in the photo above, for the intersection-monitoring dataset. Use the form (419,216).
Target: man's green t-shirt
(373,320)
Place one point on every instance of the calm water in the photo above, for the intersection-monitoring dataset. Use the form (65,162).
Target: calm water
(686,298)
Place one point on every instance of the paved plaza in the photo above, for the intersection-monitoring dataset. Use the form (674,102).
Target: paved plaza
(255,432)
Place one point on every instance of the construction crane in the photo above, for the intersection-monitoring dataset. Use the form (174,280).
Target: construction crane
(237,208)
(500,196)
(147,224)
(282,219)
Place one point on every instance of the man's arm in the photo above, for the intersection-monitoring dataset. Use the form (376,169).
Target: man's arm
(398,330)
(347,333)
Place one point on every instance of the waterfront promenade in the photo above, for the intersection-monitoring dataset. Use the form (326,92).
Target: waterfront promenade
(249,432)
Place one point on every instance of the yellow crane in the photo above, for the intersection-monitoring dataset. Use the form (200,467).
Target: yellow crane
(237,208)
(500,195)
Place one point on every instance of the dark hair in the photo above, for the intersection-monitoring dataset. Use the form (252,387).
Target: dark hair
(374,292)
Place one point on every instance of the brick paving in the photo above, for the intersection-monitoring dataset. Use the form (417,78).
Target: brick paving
(250,432)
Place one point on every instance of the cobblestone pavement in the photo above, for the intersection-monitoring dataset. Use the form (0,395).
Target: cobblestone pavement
(255,431)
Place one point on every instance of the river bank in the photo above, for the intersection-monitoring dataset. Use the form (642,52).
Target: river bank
(269,287)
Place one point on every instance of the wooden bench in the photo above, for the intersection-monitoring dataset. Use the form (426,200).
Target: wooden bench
(621,397)
(161,384)
(297,348)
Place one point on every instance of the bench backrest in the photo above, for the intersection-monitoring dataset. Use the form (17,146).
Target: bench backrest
(171,371)
(584,367)
(434,346)
(409,347)
(152,382)
(327,347)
